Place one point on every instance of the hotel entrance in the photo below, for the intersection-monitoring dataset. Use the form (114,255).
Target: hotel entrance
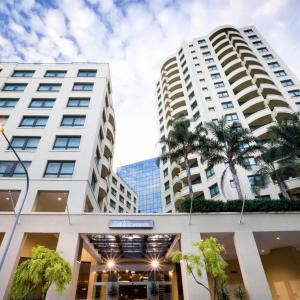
(132,291)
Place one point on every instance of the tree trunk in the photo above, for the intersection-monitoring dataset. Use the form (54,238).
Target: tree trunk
(283,189)
(189,179)
(236,182)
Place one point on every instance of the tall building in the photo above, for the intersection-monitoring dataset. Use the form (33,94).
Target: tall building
(144,178)
(233,73)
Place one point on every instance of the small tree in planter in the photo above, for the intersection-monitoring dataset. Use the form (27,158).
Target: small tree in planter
(34,276)
(240,292)
(209,257)
(113,291)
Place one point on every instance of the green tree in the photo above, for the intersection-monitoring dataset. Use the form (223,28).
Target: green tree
(240,292)
(35,276)
(209,257)
(229,144)
(180,143)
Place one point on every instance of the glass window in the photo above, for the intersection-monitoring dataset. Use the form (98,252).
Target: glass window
(274,65)
(194,105)
(215,76)
(49,87)
(8,103)
(248,31)
(14,87)
(209,60)
(231,117)
(207,53)
(201,41)
(287,82)
(196,116)
(78,102)
(183,64)
(191,96)
(59,169)
(262,50)
(167,185)
(166,172)
(93,181)
(113,192)
(210,172)
(208,98)
(268,56)
(114,181)
(280,73)
(41,103)
(223,94)
(189,86)
(212,68)
(294,93)
(128,204)
(73,121)
(122,188)
(34,121)
(13,168)
(121,198)
(214,190)
(204,48)
(66,142)
(249,161)
(168,200)
(112,203)
(211,109)
(121,209)
(257,43)
(227,105)
(23,73)
(252,37)
(83,86)
(55,73)
(87,73)
(25,142)
(219,84)
(255,180)
(129,195)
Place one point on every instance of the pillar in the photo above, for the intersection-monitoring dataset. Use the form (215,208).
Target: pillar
(68,247)
(192,290)
(253,273)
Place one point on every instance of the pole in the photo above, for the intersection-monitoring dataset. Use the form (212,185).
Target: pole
(6,248)
(12,202)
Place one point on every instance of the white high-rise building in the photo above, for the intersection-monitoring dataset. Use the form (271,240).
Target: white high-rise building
(234,73)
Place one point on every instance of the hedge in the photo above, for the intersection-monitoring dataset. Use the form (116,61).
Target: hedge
(257,205)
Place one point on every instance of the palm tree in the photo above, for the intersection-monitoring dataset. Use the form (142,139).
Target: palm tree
(229,144)
(180,143)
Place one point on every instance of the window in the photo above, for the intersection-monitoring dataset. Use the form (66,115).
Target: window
(223,94)
(34,121)
(181,57)
(262,50)
(204,89)
(122,188)
(167,185)
(211,109)
(23,73)
(208,98)
(206,53)
(66,142)
(87,73)
(13,168)
(196,116)
(168,200)
(78,102)
(83,87)
(54,73)
(191,96)
(41,103)
(214,190)
(274,65)
(280,73)
(248,31)
(219,84)
(215,76)
(249,161)
(286,83)
(59,169)
(294,93)
(255,180)
(227,105)
(97,157)
(121,209)
(164,161)
(194,105)
(14,87)
(210,172)
(128,204)
(231,117)
(49,87)
(201,41)
(93,181)
(129,195)
(73,121)
(204,48)
(298,105)
(113,192)
(189,86)
(212,68)
(121,198)
(187,78)
(209,60)
(161,129)
(185,70)
(8,103)
(114,181)
(257,43)
(252,37)
(267,56)
(232,184)
(202,80)
(183,64)
(166,172)
(112,203)
(25,142)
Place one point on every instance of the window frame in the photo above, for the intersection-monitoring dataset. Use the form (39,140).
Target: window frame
(69,139)
(34,124)
(27,139)
(64,117)
(59,173)
(15,165)
(52,87)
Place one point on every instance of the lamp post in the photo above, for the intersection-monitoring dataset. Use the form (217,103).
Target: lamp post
(6,247)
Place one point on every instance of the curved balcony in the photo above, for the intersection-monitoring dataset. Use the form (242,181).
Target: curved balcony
(228,58)
(175,169)
(237,74)
(262,132)
(260,118)
(177,103)
(219,30)
(105,166)
(169,121)
(198,190)
(232,66)
(281,113)
(237,39)
(246,53)
(267,88)
(276,100)
(102,187)
(171,66)
(221,44)
(253,105)
(256,69)
(173,78)
(242,46)
(174,86)
(172,71)
(246,94)
(177,184)
(108,148)
(176,94)
(262,78)
(293,185)
(232,33)
(168,61)
(218,38)
(179,112)
(241,84)
(110,131)
(225,50)
(250,61)
(167,103)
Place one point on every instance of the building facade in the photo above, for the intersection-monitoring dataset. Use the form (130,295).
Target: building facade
(144,178)
(233,73)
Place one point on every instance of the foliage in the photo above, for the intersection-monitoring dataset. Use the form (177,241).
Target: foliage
(240,292)
(256,205)
(223,293)
(229,144)
(113,291)
(46,267)
(209,257)
(154,289)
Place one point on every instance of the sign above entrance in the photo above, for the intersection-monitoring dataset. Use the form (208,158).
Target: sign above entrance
(131,224)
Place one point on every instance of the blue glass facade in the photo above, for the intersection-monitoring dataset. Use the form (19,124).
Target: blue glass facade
(144,178)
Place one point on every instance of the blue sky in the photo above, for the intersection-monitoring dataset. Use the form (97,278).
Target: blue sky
(135,37)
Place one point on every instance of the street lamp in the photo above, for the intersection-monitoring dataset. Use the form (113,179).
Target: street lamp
(22,203)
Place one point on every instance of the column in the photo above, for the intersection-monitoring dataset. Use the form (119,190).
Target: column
(68,247)
(253,273)
(192,290)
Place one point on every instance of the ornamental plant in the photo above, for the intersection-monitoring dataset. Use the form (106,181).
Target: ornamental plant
(34,276)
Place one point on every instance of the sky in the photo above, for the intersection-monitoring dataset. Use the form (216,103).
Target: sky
(135,37)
